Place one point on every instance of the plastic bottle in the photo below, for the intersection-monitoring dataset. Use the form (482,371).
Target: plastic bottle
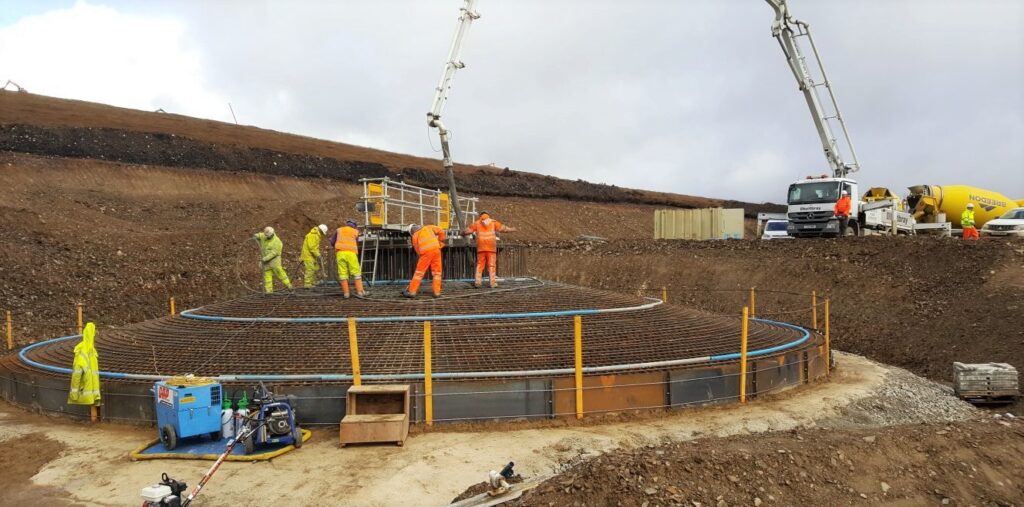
(241,414)
(227,420)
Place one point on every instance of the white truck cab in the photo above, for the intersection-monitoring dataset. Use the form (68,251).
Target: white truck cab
(811,206)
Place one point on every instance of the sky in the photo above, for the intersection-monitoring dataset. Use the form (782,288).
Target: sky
(685,96)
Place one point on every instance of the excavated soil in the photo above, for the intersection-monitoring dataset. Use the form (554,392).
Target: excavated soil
(47,126)
(957,464)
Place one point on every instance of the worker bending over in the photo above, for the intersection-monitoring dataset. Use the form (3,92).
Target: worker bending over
(310,255)
(967,222)
(346,252)
(842,211)
(270,259)
(427,240)
(486,230)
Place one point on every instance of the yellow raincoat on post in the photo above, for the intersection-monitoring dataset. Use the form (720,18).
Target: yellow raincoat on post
(85,375)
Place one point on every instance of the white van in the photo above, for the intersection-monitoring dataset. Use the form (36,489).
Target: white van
(775,229)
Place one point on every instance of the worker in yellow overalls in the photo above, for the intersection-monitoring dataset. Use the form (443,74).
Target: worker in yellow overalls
(310,255)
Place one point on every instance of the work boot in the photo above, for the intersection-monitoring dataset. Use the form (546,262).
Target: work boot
(359,287)
(408,294)
(436,295)
(344,288)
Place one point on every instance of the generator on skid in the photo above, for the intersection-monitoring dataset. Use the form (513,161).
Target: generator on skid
(187,407)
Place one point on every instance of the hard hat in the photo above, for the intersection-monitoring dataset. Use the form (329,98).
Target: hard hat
(970,205)
(845,192)
(414,227)
(323,228)
(351,223)
(268,231)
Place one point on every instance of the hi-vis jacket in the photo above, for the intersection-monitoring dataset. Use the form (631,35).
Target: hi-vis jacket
(85,376)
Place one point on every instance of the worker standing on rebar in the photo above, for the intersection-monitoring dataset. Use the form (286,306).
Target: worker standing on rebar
(310,255)
(346,253)
(842,212)
(427,240)
(270,259)
(967,222)
(85,370)
(486,230)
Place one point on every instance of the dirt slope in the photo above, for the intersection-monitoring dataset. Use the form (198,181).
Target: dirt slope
(960,464)
(48,126)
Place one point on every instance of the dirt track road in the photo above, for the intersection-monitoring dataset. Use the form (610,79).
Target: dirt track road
(431,469)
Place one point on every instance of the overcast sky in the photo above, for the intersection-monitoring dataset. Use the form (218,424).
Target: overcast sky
(687,96)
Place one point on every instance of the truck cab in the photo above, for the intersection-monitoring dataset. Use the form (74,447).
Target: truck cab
(811,203)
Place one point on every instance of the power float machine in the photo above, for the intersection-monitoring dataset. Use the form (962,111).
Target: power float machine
(271,421)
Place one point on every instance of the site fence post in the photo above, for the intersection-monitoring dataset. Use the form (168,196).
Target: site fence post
(814,310)
(170,302)
(743,355)
(94,413)
(353,352)
(78,309)
(578,348)
(753,302)
(10,332)
(828,342)
(664,294)
(428,372)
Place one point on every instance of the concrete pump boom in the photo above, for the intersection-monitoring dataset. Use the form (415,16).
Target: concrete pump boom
(444,87)
(787,29)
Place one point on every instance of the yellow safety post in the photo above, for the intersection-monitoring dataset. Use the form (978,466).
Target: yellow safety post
(428,370)
(353,352)
(743,356)
(578,346)
(79,309)
(753,303)
(10,332)
(170,302)
(664,294)
(828,343)
(814,310)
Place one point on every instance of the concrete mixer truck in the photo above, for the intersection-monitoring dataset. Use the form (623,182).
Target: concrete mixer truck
(945,203)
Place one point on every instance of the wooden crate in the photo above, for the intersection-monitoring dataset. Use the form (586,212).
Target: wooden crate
(375,413)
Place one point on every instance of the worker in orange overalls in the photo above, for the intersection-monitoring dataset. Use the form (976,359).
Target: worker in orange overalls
(486,230)
(346,254)
(842,211)
(427,240)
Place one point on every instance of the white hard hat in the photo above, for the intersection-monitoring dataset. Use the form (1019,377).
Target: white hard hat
(845,192)
(268,231)
(414,227)
(970,205)
(323,228)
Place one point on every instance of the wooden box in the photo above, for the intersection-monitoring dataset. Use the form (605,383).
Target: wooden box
(375,413)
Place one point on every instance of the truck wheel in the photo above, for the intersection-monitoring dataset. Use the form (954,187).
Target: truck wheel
(168,437)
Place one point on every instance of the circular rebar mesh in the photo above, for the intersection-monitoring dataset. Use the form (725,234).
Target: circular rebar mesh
(180,345)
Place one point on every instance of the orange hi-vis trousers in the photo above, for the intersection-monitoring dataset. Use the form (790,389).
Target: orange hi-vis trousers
(970,233)
(491,260)
(431,259)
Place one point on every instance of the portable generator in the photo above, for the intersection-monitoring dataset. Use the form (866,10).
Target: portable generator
(187,407)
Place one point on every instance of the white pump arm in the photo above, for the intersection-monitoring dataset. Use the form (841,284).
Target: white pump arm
(787,29)
(444,87)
